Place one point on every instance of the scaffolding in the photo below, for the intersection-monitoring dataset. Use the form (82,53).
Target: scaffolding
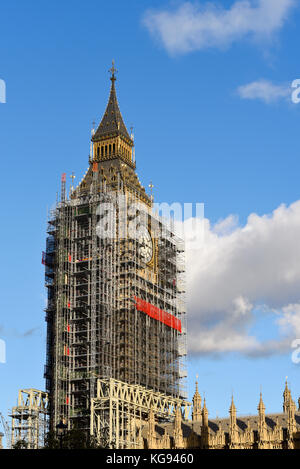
(119,412)
(95,328)
(30,419)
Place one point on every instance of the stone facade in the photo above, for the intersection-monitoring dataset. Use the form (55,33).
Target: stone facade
(275,431)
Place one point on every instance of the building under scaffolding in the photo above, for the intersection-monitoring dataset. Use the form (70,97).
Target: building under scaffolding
(115,279)
(29,419)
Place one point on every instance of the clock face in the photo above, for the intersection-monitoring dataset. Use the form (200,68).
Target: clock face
(146,245)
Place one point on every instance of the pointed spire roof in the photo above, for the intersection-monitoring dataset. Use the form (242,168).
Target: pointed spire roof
(286,392)
(232,408)
(112,123)
(196,396)
(261,406)
(204,408)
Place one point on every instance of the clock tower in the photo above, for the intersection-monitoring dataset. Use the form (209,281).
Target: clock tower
(115,278)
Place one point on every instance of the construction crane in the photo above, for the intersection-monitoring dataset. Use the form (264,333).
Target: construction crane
(6,430)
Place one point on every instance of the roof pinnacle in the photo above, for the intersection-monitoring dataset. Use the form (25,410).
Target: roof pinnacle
(261,406)
(113,71)
(232,408)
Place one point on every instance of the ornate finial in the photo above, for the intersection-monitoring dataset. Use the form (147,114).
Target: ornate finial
(113,71)
(72,182)
(151,190)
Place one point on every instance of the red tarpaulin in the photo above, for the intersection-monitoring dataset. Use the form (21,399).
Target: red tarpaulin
(158,314)
(43,258)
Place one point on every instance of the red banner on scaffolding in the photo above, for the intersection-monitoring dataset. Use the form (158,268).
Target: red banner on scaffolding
(43,258)
(158,314)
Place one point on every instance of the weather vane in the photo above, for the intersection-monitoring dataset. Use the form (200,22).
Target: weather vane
(113,70)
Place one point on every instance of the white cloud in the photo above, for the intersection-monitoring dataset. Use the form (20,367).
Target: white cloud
(195,26)
(290,319)
(234,275)
(265,91)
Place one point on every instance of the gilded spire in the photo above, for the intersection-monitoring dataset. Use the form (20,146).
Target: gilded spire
(112,123)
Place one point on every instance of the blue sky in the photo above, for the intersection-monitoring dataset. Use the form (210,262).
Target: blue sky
(213,122)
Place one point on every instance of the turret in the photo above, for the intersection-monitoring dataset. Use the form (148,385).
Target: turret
(291,417)
(286,397)
(204,415)
(232,413)
(261,421)
(204,427)
(232,424)
(196,405)
(151,430)
(178,436)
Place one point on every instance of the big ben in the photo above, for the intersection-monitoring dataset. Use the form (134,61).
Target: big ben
(114,274)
